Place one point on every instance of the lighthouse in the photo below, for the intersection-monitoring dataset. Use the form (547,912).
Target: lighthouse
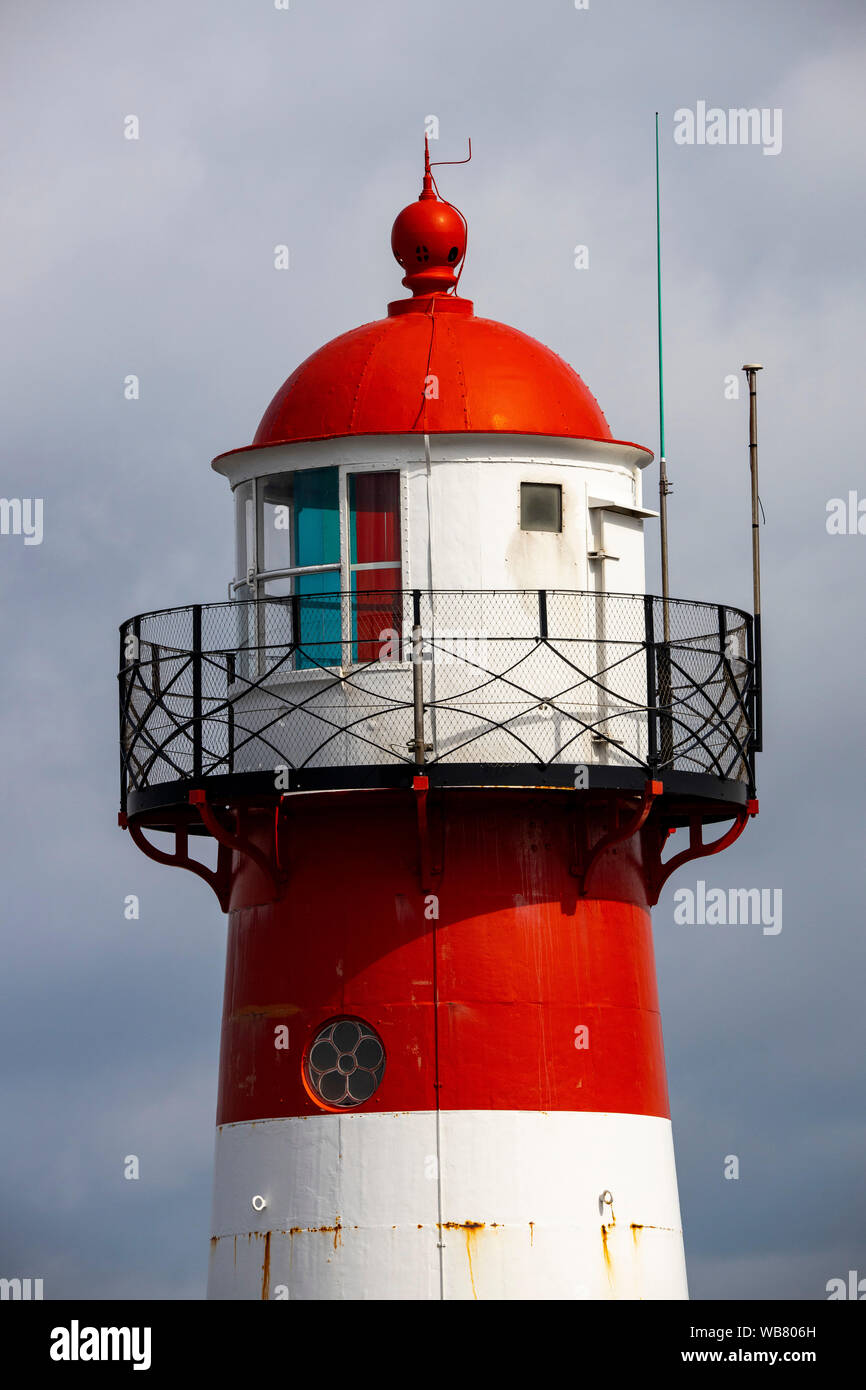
(446,750)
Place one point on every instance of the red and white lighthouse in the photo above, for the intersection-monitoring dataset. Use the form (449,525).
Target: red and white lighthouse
(441,736)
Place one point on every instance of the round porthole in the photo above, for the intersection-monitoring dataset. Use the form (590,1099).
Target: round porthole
(345,1063)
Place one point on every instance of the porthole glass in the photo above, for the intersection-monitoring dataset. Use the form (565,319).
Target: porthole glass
(345,1063)
(323,1056)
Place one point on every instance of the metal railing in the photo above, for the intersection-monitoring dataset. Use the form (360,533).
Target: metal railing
(374,679)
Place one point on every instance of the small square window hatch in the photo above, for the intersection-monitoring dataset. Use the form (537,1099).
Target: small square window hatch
(540,507)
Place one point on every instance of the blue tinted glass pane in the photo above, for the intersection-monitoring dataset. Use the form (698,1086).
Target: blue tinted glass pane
(317,516)
(317,542)
(319,603)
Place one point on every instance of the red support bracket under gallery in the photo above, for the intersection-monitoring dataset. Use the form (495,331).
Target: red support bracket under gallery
(655,837)
(586,857)
(218,879)
(235,841)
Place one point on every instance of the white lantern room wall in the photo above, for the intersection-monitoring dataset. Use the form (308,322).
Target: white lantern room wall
(462,515)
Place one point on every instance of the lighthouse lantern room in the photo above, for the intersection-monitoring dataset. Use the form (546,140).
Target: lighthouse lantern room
(441,737)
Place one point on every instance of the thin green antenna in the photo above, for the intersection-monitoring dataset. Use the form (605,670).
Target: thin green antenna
(664,485)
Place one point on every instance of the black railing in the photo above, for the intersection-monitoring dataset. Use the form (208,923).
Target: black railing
(500,678)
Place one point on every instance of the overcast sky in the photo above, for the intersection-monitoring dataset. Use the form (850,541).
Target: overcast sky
(155,257)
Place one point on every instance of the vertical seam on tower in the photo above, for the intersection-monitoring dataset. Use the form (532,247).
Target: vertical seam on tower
(440,1220)
(429,463)
(461,380)
(440,1231)
(338,1214)
(422,409)
(361,380)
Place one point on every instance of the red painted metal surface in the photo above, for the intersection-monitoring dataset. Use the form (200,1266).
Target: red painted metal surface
(522,962)
(429,241)
(431,366)
(489,378)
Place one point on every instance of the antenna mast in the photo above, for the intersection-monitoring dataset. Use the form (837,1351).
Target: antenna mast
(664,485)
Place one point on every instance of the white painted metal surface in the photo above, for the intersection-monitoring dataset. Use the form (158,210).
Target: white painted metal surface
(461,505)
(460,518)
(353,1202)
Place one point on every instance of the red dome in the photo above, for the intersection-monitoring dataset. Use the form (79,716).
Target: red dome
(431,366)
(489,378)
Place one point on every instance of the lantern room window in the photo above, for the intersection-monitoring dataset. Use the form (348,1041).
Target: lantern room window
(374,561)
(299,554)
(313,535)
(540,507)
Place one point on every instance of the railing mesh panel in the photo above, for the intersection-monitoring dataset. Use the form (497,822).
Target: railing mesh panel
(326,681)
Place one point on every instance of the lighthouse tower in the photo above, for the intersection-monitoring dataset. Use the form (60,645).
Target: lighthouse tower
(448,751)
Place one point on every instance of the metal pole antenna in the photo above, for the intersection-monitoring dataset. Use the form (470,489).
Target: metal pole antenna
(751,369)
(664,485)
(664,692)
